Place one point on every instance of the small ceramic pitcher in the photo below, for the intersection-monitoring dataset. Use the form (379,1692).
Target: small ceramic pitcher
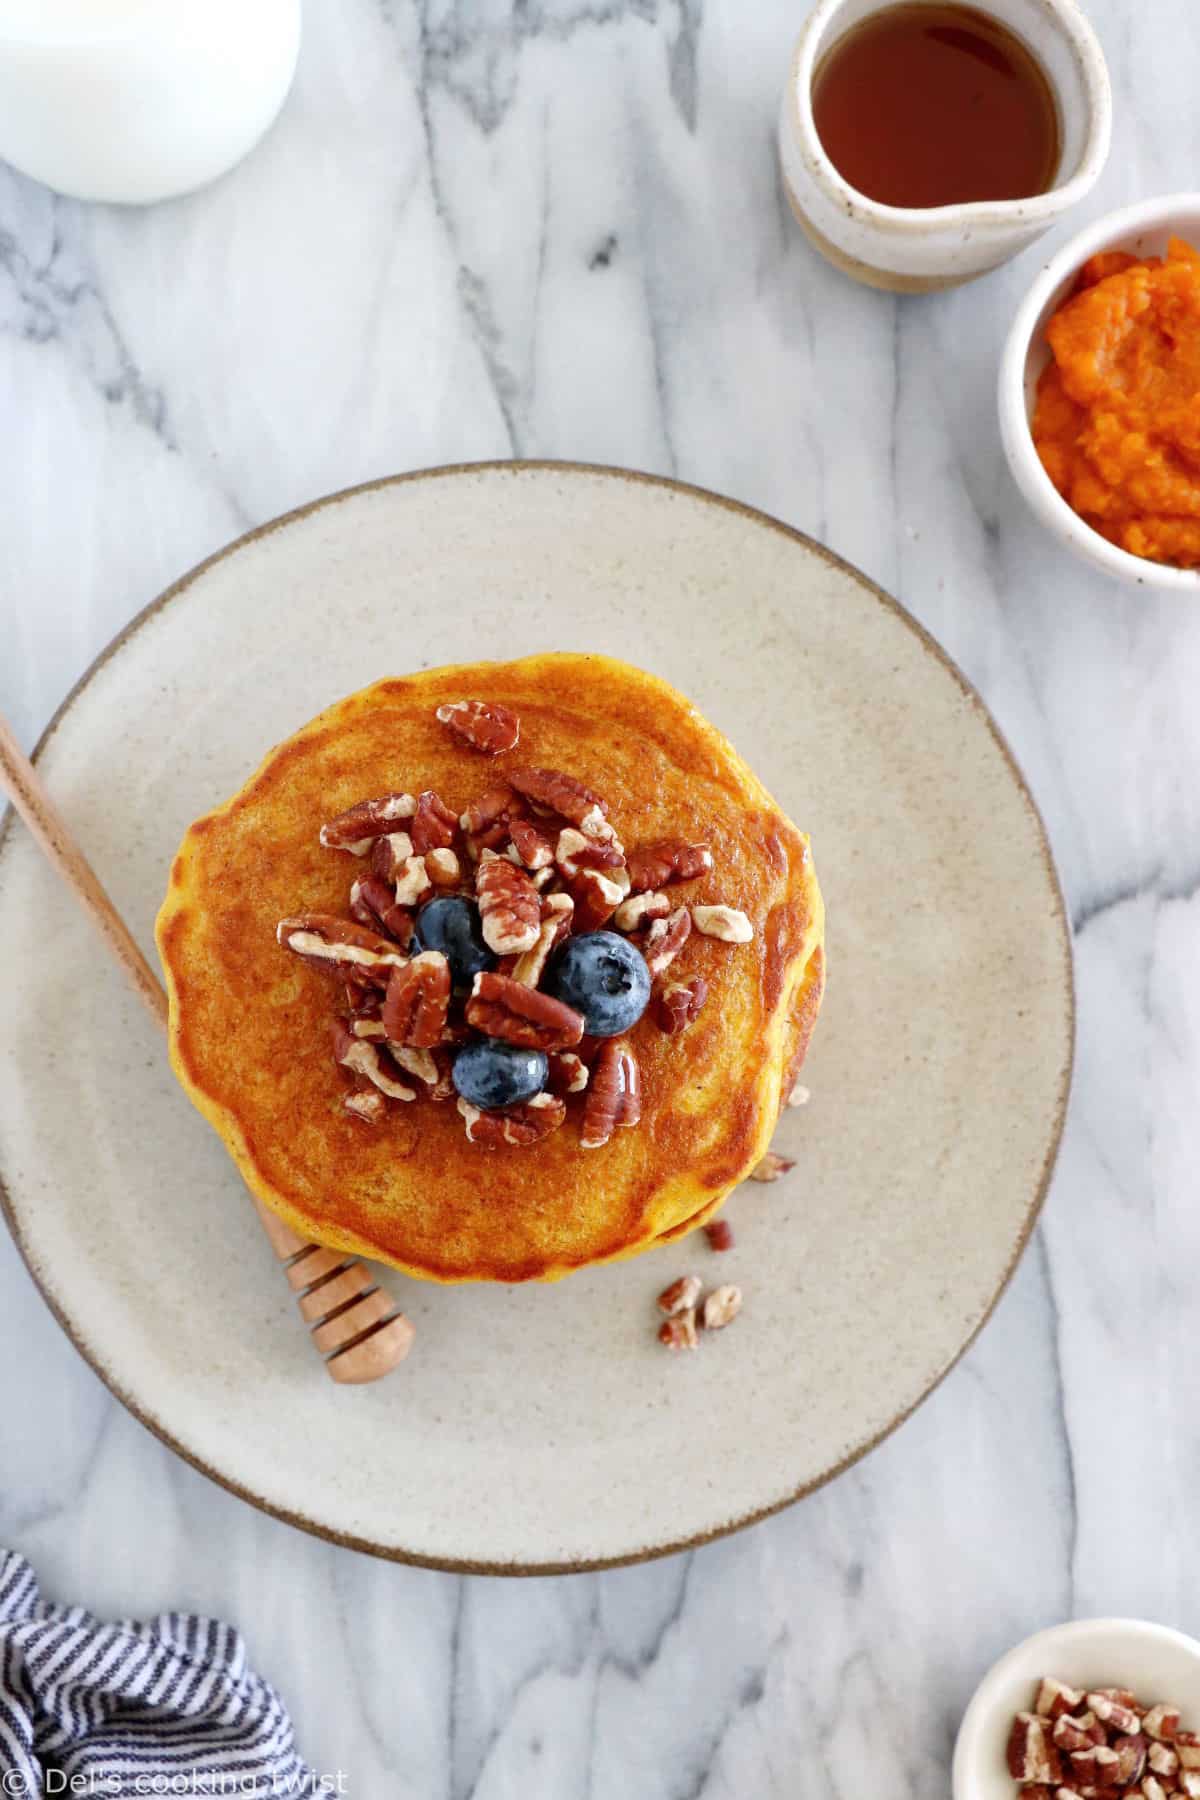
(914,250)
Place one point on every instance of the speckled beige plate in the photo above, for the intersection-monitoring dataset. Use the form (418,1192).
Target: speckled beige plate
(531,1429)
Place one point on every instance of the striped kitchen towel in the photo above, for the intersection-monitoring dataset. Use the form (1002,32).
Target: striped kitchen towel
(164,1707)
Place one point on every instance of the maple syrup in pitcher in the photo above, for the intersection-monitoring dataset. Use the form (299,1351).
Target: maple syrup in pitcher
(936,105)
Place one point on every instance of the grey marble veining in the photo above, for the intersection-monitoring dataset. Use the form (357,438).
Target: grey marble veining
(489,228)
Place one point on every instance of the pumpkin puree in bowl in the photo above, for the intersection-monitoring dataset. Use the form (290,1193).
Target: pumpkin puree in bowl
(1117,423)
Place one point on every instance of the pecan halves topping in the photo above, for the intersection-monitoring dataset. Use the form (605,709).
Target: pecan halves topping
(658,865)
(357,828)
(529,968)
(562,794)
(641,910)
(510,907)
(392,859)
(434,826)
(443,868)
(614,1096)
(417,1001)
(483,724)
(367,1104)
(724,922)
(568,1072)
(678,1003)
(340,945)
(487,820)
(574,850)
(665,939)
(596,896)
(517,1126)
(370,1062)
(534,846)
(373,903)
(502,1007)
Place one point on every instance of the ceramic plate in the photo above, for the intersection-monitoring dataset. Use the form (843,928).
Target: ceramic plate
(543,1427)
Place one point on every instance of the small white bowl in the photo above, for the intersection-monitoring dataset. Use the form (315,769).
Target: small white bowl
(1155,1662)
(1142,229)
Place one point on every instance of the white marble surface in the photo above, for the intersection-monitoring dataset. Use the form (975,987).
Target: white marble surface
(554,229)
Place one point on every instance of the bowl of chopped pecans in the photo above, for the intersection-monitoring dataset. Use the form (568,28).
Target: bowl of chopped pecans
(1099,1705)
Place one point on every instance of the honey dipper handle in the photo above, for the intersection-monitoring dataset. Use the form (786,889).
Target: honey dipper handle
(24,788)
(353,1323)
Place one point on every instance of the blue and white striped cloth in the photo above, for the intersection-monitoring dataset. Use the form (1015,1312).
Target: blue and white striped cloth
(164,1707)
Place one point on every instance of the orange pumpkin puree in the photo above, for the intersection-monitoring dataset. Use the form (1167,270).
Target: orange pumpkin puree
(1117,422)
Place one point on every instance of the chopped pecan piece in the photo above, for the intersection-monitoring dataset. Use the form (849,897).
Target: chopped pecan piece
(370,1062)
(641,910)
(596,896)
(575,850)
(510,907)
(1078,1733)
(434,826)
(1055,1698)
(516,1125)
(412,881)
(357,828)
(665,939)
(724,922)
(772,1167)
(1189,1783)
(560,908)
(391,855)
(562,794)
(1188,1745)
(1095,1766)
(484,724)
(614,1095)
(488,819)
(419,1064)
(417,1001)
(1152,1788)
(681,1296)
(332,943)
(721,1307)
(1164,1758)
(502,1007)
(568,1072)
(1162,1722)
(679,1333)
(373,903)
(1116,1714)
(1131,1759)
(443,868)
(529,968)
(367,1104)
(719,1233)
(678,1003)
(534,846)
(1031,1755)
(659,865)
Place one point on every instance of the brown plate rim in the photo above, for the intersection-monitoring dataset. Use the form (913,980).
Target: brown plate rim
(651,1552)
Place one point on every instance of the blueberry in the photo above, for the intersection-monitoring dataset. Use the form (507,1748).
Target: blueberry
(605,978)
(451,925)
(491,1073)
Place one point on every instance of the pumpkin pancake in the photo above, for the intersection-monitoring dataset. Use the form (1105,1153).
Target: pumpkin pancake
(250,1024)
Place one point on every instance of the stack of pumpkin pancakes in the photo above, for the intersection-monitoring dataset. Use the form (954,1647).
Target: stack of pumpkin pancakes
(250,1024)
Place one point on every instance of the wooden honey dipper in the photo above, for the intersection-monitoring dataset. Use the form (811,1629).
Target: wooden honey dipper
(354,1323)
